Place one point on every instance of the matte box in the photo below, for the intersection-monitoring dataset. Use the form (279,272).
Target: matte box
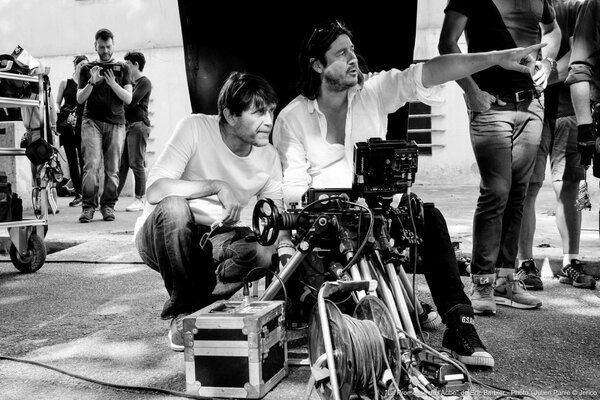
(235,349)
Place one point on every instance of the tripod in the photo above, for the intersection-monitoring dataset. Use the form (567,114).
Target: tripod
(375,259)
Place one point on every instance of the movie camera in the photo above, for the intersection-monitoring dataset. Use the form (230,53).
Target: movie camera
(382,170)
(346,236)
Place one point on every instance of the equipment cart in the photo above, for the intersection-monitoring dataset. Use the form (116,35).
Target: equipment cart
(28,250)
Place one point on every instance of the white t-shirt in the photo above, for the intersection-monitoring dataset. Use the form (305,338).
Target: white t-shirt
(300,131)
(196,151)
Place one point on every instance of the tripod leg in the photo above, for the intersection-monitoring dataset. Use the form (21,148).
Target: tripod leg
(356,276)
(365,271)
(409,289)
(287,271)
(395,304)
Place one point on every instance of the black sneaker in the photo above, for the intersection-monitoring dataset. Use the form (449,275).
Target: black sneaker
(108,213)
(529,274)
(573,274)
(175,334)
(87,214)
(461,339)
(76,201)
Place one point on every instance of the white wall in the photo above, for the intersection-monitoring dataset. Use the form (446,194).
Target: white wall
(56,30)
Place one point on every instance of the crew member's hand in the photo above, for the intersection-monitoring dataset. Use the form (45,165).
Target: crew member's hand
(520,59)
(231,205)
(95,76)
(586,143)
(109,75)
(481,101)
(542,72)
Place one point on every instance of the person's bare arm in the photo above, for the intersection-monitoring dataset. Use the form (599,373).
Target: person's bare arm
(452,29)
(123,93)
(165,187)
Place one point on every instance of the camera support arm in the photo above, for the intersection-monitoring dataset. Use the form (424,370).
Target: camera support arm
(304,247)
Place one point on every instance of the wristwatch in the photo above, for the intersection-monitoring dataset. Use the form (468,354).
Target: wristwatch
(91,83)
(552,62)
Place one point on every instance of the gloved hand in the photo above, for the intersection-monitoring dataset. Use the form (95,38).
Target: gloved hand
(586,143)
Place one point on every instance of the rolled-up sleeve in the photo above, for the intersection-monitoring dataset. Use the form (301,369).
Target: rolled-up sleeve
(585,52)
(399,87)
(296,179)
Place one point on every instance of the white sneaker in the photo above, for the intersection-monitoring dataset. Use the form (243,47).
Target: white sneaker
(137,205)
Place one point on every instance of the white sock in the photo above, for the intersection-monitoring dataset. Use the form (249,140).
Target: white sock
(568,257)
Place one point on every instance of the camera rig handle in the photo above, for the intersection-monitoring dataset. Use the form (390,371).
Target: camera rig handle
(264,221)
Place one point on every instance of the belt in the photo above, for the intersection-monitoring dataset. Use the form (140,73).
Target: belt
(518,97)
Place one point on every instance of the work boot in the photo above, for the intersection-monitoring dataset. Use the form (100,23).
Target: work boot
(108,213)
(573,274)
(530,275)
(461,338)
(87,214)
(510,291)
(482,294)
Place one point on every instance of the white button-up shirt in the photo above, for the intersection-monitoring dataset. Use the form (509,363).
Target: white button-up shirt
(300,131)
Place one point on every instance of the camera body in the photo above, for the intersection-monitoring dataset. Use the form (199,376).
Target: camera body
(384,167)
(115,67)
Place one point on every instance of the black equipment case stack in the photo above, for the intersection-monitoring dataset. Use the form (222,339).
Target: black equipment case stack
(235,350)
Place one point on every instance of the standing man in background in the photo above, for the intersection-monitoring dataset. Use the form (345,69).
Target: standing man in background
(507,114)
(138,131)
(584,81)
(105,86)
(559,141)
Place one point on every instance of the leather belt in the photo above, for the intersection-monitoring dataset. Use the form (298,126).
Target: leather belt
(518,97)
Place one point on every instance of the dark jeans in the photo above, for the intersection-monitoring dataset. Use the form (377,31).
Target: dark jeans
(169,242)
(439,263)
(134,157)
(72,146)
(505,141)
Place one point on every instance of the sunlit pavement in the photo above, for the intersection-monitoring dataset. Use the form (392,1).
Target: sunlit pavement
(93,309)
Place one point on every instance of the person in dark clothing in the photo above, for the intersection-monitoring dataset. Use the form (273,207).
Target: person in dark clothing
(69,129)
(138,131)
(559,143)
(507,113)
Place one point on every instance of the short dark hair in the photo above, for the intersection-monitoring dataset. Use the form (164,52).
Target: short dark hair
(314,47)
(136,57)
(104,34)
(79,58)
(242,91)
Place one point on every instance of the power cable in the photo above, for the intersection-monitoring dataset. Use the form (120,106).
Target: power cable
(104,383)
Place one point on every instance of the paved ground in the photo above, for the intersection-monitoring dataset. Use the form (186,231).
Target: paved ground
(93,309)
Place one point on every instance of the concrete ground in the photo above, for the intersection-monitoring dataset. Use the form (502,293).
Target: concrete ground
(93,310)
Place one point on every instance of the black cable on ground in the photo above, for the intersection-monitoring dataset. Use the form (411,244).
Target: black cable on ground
(108,384)
(47,261)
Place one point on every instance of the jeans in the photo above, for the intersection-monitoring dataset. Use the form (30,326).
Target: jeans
(505,140)
(72,146)
(134,157)
(100,140)
(439,263)
(169,243)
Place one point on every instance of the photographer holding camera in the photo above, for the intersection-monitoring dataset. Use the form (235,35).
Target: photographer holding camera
(105,86)
(316,132)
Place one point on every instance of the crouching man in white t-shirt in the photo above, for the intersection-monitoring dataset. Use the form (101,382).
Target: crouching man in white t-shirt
(212,166)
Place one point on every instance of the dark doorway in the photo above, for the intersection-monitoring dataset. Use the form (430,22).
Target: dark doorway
(219,39)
